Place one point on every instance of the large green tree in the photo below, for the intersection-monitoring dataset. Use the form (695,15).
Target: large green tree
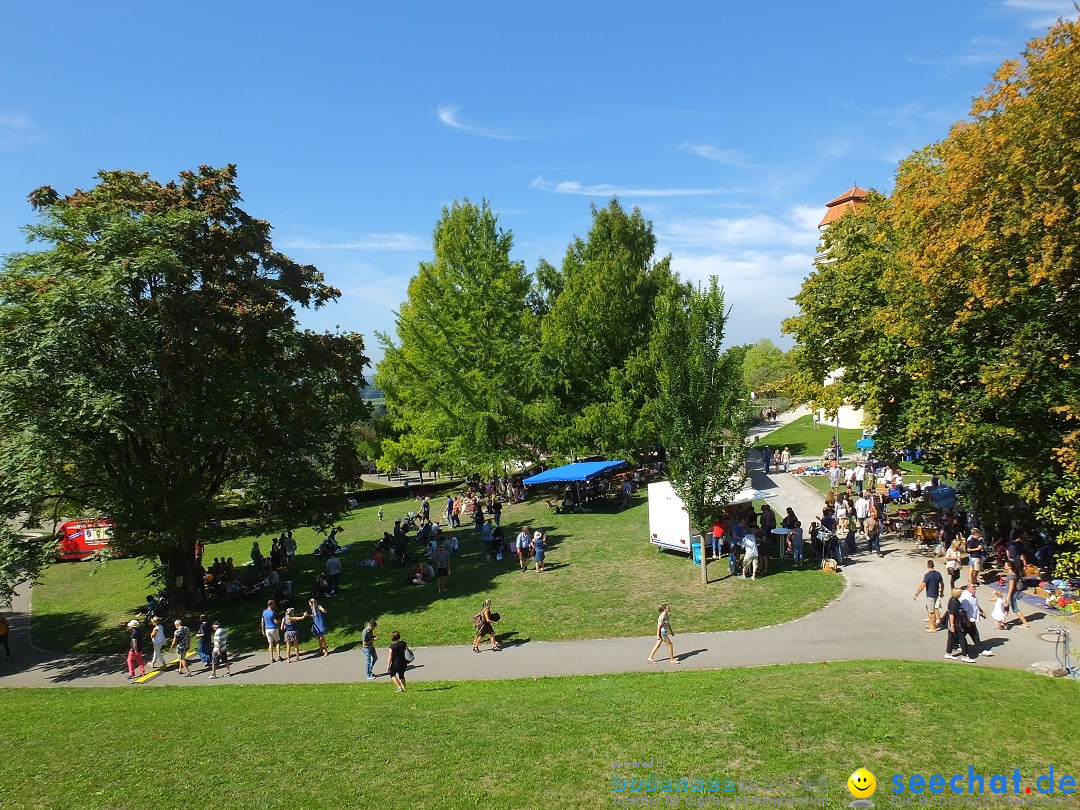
(150,355)
(598,335)
(703,398)
(460,378)
(766,369)
(963,335)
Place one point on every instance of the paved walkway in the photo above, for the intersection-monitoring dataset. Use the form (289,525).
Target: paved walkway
(875,617)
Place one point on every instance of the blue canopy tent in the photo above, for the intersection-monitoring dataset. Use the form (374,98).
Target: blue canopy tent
(581,471)
(574,474)
(865,444)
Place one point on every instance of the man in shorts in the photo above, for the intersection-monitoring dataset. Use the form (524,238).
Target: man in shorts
(269,626)
(976,550)
(220,654)
(934,586)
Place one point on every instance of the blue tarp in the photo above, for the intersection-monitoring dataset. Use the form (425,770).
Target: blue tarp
(582,471)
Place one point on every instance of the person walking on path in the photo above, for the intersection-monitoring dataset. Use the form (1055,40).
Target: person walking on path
(785,459)
(318,624)
(934,586)
(952,561)
(664,635)
(1012,594)
(205,636)
(134,655)
(485,622)
(220,654)
(268,625)
(972,613)
(181,642)
(956,638)
(395,660)
(157,639)
(976,551)
(367,642)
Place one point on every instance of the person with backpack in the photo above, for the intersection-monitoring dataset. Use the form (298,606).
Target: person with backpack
(485,622)
(397,661)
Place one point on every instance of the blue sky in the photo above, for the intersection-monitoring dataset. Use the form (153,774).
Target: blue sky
(354,123)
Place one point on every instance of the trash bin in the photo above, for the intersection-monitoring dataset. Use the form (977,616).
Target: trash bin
(695,552)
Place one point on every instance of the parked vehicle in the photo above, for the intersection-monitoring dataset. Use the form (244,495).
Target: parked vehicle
(82,539)
(669,524)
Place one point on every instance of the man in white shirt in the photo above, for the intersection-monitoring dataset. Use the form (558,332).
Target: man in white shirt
(521,545)
(860,476)
(972,613)
(862,511)
(750,554)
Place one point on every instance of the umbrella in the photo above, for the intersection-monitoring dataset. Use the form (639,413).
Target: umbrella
(865,444)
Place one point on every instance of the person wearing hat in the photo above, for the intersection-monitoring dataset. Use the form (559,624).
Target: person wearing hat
(220,654)
(539,541)
(135,655)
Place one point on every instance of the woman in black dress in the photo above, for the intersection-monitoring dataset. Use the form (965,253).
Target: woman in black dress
(396,663)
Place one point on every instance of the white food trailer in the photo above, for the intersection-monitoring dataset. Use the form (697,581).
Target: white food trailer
(669,524)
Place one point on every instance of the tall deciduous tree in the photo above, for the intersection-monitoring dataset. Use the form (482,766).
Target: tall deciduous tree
(766,368)
(703,400)
(459,380)
(597,346)
(968,344)
(150,355)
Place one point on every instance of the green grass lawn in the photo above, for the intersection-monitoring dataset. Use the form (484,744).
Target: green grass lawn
(604,580)
(803,439)
(551,742)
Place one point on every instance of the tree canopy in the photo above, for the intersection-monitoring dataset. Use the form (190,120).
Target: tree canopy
(150,356)
(952,304)
(703,399)
(459,381)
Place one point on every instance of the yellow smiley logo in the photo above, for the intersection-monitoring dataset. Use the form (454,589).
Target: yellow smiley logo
(862,784)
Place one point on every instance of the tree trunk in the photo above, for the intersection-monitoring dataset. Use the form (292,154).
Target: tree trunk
(181,574)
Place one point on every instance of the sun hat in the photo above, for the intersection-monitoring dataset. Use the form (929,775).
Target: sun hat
(537,535)
(133,623)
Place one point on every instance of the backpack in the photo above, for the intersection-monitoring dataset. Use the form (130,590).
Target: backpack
(478,620)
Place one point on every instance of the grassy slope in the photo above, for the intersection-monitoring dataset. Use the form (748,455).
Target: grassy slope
(605,579)
(802,439)
(528,743)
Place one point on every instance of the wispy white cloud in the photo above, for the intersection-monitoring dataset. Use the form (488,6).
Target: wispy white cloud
(448,116)
(609,190)
(17,130)
(798,229)
(729,157)
(1043,13)
(370,241)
